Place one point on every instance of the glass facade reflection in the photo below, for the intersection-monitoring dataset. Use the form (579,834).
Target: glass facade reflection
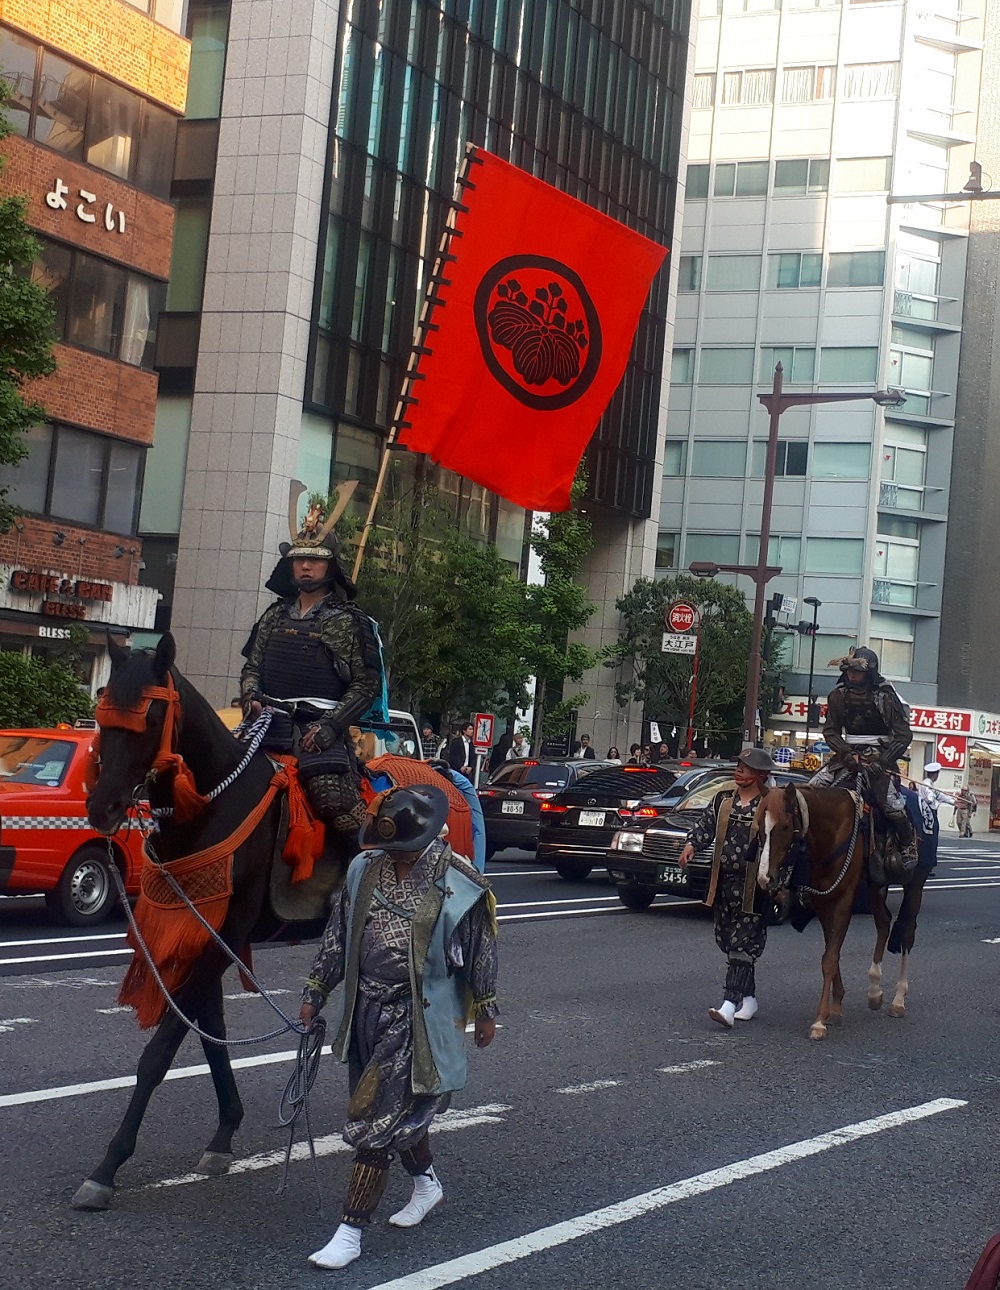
(585,94)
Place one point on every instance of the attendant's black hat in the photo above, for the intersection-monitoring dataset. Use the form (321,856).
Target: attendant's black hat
(407,819)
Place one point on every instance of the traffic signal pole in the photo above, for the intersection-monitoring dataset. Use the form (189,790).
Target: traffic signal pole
(694,685)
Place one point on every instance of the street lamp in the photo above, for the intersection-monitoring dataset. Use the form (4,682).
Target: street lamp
(776,402)
(811,600)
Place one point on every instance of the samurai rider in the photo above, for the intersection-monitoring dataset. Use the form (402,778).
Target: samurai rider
(868,728)
(413,939)
(315,643)
(740,908)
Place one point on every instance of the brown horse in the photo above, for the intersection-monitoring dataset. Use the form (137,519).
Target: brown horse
(830,824)
(204,747)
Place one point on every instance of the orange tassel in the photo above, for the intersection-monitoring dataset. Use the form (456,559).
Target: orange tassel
(306,834)
(188,802)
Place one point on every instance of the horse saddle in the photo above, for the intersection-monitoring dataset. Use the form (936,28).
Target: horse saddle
(309,900)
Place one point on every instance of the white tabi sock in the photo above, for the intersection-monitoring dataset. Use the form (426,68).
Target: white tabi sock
(343,1247)
(748,1009)
(724,1015)
(427,1192)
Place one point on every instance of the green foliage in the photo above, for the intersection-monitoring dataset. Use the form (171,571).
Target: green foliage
(554,610)
(26,334)
(34,692)
(662,681)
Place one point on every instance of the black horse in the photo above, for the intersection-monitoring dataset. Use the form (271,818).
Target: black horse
(211,753)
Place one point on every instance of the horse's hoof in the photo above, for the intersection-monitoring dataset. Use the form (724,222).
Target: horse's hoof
(835,1019)
(92,1195)
(875,1002)
(817,1031)
(897,1010)
(214,1163)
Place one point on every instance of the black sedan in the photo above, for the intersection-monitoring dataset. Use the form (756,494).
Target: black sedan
(643,862)
(577,824)
(513,794)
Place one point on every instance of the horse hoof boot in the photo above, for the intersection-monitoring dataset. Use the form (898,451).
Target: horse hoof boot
(214,1163)
(817,1030)
(92,1195)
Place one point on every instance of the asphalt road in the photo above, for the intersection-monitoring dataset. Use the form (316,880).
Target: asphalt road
(612,1135)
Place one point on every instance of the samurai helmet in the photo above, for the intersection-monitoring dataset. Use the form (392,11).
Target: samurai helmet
(861,659)
(313,539)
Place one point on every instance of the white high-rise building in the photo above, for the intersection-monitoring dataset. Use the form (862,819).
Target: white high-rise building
(806,117)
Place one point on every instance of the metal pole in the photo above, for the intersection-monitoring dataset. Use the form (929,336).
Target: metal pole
(812,669)
(694,687)
(760,575)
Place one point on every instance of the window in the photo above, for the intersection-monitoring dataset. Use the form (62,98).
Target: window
(697,182)
(689,277)
(911,367)
(835,555)
(721,548)
(917,265)
(791,269)
(799,178)
(856,269)
(895,570)
(667,546)
(871,80)
(785,552)
(100,305)
(848,364)
(188,254)
(722,457)
(741,179)
(841,460)
(791,460)
(862,175)
(891,637)
(904,467)
(807,84)
(827,647)
(733,273)
(726,366)
(682,367)
(704,90)
(75,475)
(753,88)
(674,456)
(798,362)
(208,27)
(84,117)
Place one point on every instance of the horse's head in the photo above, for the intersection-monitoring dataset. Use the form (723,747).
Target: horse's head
(779,823)
(133,729)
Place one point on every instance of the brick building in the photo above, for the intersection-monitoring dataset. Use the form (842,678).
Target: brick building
(97,88)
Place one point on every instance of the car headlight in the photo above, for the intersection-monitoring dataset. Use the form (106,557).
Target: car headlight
(626,841)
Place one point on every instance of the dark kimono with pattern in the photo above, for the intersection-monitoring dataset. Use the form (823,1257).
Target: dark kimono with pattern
(739,934)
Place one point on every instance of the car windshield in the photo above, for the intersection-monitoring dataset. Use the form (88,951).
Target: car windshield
(548,774)
(33,759)
(703,794)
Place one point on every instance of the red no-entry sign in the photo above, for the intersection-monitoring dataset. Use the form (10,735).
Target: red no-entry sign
(680,616)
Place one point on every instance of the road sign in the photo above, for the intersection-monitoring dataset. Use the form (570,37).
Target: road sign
(788,604)
(680,617)
(678,643)
(482,726)
(951,751)
(782,756)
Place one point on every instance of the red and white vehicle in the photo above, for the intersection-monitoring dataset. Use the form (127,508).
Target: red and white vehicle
(47,846)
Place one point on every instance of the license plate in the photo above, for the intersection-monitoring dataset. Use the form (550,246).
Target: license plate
(511,808)
(673,873)
(592,819)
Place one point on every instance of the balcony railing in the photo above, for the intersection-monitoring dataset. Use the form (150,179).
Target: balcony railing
(901,497)
(890,591)
(911,304)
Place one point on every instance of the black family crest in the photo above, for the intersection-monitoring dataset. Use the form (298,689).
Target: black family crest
(539,331)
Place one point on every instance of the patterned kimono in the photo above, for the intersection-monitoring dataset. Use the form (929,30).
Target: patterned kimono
(385,1113)
(739,933)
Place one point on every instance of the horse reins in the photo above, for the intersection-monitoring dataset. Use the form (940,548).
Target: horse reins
(848,857)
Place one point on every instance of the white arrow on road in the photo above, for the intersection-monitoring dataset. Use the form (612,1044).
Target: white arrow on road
(8,1025)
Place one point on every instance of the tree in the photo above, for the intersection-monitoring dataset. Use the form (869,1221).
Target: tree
(662,682)
(26,333)
(554,610)
(34,692)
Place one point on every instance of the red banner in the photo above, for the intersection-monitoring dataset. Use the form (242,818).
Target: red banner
(531,331)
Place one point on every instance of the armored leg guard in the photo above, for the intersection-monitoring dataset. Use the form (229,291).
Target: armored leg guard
(418,1158)
(739,980)
(337,802)
(368,1180)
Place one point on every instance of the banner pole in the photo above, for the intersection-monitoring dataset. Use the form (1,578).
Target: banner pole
(418,349)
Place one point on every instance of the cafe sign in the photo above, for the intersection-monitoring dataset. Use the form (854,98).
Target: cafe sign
(74,593)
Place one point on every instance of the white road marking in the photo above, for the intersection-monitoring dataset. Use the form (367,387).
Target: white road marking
(556,913)
(592,1087)
(333,1144)
(546,1238)
(684,1067)
(252,994)
(570,900)
(8,1023)
(62,940)
(978,866)
(521,873)
(110,1012)
(55,958)
(128,1081)
(992,940)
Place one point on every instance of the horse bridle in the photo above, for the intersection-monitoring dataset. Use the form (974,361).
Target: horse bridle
(800,827)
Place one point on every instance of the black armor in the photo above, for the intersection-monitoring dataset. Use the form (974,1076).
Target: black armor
(296,662)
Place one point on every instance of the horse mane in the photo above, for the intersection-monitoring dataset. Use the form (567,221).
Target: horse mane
(775,804)
(128,682)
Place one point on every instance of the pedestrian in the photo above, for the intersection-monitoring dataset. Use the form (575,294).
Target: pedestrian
(429,741)
(461,754)
(663,752)
(582,751)
(520,747)
(613,754)
(314,641)
(646,756)
(965,809)
(500,751)
(634,755)
(409,910)
(931,796)
(740,926)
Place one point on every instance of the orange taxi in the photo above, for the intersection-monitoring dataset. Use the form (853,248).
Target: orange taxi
(47,847)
